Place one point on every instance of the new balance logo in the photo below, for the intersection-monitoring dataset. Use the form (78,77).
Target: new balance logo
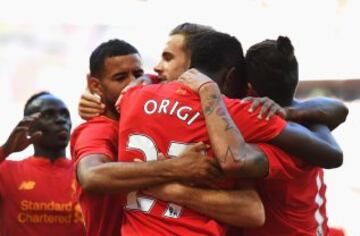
(27,185)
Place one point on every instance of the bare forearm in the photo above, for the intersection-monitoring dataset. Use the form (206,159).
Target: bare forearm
(242,208)
(309,146)
(327,111)
(122,177)
(324,133)
(233,153)
(226,140)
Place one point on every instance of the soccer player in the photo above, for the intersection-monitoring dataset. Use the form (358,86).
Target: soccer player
(273,72)
(37,193)
(113,65)
(178,110)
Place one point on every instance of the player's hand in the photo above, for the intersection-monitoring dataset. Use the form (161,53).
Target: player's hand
(195,168)
(20,138)
(296,115)
(142,80)
(90,105)
(268,107)
(195,79)
(169,192)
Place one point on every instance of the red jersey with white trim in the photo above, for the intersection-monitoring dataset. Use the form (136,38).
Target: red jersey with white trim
(102,212)
(294,199)
(166,118)
(36,198)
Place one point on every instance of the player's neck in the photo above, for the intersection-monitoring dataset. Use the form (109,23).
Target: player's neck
(52,154)
(112,114)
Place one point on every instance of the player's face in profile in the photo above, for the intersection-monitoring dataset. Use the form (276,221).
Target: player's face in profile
(174,60)
(118,72)
(54,122)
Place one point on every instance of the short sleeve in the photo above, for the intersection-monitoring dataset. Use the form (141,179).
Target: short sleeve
(254,130)
(281,165)
(97,136)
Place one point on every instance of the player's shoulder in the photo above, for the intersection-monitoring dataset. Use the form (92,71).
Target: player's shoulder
(14,163)
(97,124)
(235,103)
(133,93)
(168,89)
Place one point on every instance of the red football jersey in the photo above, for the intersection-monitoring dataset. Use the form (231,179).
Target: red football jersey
(293,197)
(166,118)
(102,212)
(36,198)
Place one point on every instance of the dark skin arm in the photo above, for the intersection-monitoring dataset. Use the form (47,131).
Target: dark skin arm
(96,173)
(317,148)
(318,115)
(327,111)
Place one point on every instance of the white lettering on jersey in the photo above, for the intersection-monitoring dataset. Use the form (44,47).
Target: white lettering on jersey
(146,145)
(174,107)
(163,106)
(183,113)
(148,106)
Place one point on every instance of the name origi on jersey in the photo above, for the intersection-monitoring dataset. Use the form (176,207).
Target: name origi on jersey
(173,108)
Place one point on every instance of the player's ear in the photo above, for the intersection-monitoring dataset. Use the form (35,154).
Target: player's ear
(228,82)
(94,85)
(230,75)
(250,91)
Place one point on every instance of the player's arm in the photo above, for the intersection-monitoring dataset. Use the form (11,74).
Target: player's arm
(236,157)
(242,208)
(21,137)
(327,111)
(97,173)
(318,115)
(316,147)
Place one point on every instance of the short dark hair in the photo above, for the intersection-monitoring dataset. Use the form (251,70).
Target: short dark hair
(111,48)
(27,111)
(272,69)
(212,52)
(190,30)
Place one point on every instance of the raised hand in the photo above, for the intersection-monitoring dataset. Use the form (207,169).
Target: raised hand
(268,107)
(20,138)
(194,79)
(90,105)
